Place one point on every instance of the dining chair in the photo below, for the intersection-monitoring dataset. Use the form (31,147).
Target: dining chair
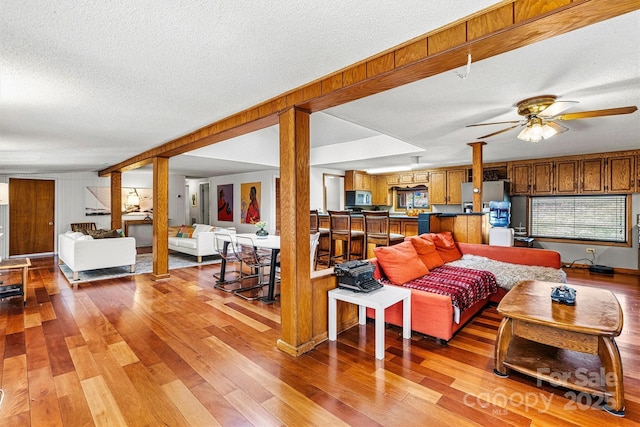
(322,252)
(230,256)
(377,231)
(340,231)
(315,241)
(256,261)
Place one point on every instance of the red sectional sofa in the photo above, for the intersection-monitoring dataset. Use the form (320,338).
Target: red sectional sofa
(433,314)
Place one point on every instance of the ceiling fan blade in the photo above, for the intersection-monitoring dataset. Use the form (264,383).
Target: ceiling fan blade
(556,108)
(557,127)
(501,131)
(497,123)
(597,113)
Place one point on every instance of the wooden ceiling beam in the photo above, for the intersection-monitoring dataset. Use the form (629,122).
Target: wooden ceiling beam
(493,31)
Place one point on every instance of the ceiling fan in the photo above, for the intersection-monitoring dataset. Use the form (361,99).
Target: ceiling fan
(541,114)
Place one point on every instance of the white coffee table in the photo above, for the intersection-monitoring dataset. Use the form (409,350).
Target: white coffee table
(379,300)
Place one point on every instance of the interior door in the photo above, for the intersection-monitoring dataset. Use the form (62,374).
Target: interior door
(31,216)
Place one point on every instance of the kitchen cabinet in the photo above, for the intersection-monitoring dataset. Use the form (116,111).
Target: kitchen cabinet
(379,190)
(357,180)
(520,177)
(566,176)
(421,177)
(406,178)
(393,179)
(592,176)
(445,186)
(621,174)
(542,178)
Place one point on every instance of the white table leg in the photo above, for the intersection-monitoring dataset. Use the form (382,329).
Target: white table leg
(362,315)
(332,318)
(406,317)
(379,333)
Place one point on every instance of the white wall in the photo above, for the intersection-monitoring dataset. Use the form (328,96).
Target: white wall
(70,201)
(316,184)
(267,202)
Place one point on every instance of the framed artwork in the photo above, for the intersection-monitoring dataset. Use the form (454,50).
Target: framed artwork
(134,200)
(194,200)
(250,202)
(225,202)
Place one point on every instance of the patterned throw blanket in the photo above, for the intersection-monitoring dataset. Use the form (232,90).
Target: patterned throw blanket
(465,286)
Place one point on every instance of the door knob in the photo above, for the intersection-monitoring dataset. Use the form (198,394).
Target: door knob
(50,222)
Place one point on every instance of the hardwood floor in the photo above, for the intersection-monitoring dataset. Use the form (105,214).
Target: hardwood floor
(135,352)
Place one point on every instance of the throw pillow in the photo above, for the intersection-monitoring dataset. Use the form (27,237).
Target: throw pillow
(185,231)
(446,247)
(84,237)
(427,252)
(400,262)
(103,234)
(174,230)
(74,234)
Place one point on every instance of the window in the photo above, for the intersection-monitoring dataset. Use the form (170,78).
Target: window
(599,218)
(412,199)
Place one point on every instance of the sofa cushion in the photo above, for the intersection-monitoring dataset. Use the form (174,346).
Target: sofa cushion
(186,243)
(427,252)
(400,262)
(199,228)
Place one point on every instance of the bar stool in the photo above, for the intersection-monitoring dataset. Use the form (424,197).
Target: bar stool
(377,231)
(322,253)
(340,231)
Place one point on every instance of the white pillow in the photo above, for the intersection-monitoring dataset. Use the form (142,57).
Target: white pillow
(200,228)
(74,234)
(84,237)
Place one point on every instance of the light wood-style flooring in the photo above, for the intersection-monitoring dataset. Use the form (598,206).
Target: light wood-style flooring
(135,352)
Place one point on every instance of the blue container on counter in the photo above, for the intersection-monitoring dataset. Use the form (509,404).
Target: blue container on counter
(499,214)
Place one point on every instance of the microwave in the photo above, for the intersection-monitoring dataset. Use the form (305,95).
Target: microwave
(358,198)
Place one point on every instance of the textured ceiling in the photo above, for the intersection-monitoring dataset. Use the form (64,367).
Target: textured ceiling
(84,85)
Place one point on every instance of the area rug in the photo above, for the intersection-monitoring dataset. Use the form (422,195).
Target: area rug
(144,264)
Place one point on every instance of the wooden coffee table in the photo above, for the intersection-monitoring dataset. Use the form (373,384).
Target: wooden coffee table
(569,346)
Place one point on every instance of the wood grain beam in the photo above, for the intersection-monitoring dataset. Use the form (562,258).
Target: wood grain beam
(476,169)
(295,284)
(116,197)
(160,218)
(493,31)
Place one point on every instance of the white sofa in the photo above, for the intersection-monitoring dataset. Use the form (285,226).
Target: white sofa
(200,243)
(81,252)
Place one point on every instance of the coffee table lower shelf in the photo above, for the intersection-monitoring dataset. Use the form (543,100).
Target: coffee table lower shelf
(578,371)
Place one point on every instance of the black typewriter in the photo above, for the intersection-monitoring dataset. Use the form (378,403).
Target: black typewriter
(357,276)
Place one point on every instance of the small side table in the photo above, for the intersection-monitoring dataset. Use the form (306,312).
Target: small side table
(379,300)
(7,290)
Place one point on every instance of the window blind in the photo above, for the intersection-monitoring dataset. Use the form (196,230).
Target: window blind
(600,218)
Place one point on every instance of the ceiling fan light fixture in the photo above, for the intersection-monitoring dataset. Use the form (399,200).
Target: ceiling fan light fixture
(537,130)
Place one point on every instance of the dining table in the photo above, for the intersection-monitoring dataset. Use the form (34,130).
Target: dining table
(271,242)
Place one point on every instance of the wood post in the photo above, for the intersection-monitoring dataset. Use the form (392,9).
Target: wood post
(160,218)
(116,198)
(476,169)
(295,281)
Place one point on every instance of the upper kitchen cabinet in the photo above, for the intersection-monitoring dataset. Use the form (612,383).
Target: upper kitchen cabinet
(520,177)
(445,186)
(357,180)
(621,174)
(542,178)
(566,176)
(379,190)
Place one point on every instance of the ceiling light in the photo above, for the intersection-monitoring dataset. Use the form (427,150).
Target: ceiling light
(537,130)
(388,169)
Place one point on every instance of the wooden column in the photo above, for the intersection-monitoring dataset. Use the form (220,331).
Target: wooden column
(476,169)
(160,218)
(295,284)
(116,200)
